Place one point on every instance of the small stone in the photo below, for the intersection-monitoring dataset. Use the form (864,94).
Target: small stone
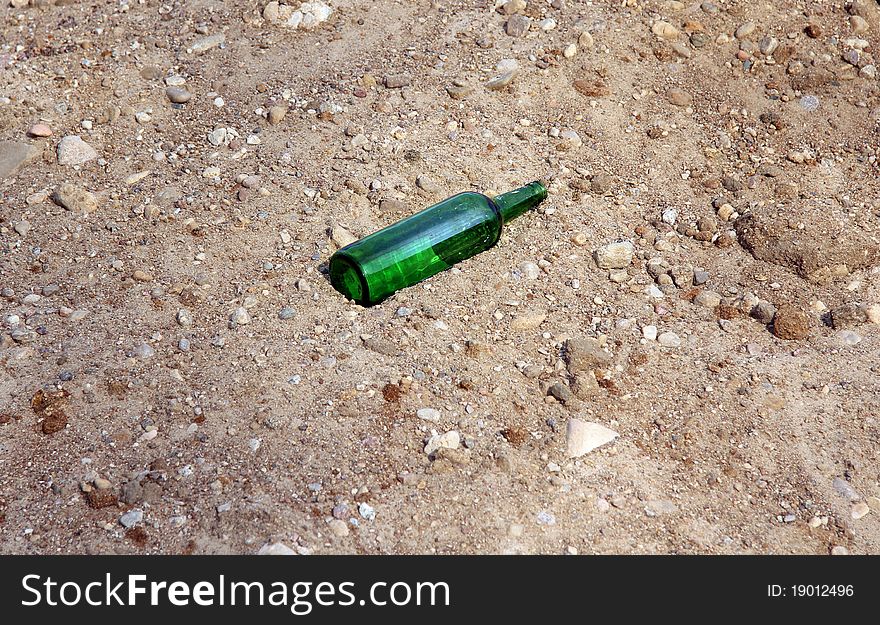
(763,312)
(615,255)
(207,43)
(39,130)
(679,97)
(530,270)
(178,95)
(513,6)
(75,199)
(143,351)
(459,92)
(669,216)
(858,24)
(14,156)
(276,114)
(746,30)
(286,313)
(708,299)
(102,484)
(859,510)
(517,25)
(342,237)
(664,30)
(570,51)
(449,440)
(669,339)
(72,150)
(848,337)
(22,227)
(426,184)
(839,550)
(848,316)
(650,332)
(583,355)
(338,528)
(141,276)
(791,323)
(240,317)
(528,321)
(131,518)
(582,437)
(276,549)
(561,392)
(701,276)
(428,414)
(585,40)
(397,81)
(843,488)
(184,318)
(872,313)
(813,31)
(367,511)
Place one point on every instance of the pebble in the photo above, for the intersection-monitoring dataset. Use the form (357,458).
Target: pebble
(582,355)
(276,114)
(679,97)
(513,6)
(789,323)
(517,25)
(184,318)
(763,312)
(13,156)
(143,351)
(746,30)
(872,313)
(848,316)
(449,440)
(843,488)
(338,528)
(570,51)
(240,317)
(39,130)
(615,255)
(582,437)
(72,150)
(507,69)
(22,227)
(858,24)
(286,313)
(367,511)
(561,392)
(669,216)
(428,414)
(585,40)
(397,81)
(207,43)
(276,549)
(528,321)
(530,270)
(649,332)
(75,199)
(307,16)
(859,510)
(849,338)
(342,237)
(178,95)
(669,339)
(425,183)
(546,518)
(664,30)
(708,299)
(809,103)
(839,550)
(131,518)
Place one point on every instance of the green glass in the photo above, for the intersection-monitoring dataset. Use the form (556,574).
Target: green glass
(413,249)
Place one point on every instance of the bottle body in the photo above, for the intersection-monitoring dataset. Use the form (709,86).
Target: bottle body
(422,245)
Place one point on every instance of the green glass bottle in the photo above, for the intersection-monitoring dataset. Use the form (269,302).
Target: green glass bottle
(413,249)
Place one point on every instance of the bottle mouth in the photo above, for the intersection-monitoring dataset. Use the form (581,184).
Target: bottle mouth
(348,279)
(514,203)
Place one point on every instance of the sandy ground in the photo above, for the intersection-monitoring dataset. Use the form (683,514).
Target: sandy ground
(178,375)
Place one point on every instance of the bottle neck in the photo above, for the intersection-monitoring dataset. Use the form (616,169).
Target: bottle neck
(514,203)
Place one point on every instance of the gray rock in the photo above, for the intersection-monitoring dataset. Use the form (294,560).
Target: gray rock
(72,150)
(669,339)
(276,549)
(14,156)
(764,312)
(561,392)
(240,317)
(517,25)
(584,355)
(178,95)
(286,313)
(131,518)
(206,43)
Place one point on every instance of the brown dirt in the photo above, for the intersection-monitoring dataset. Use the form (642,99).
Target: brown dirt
(262,432)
